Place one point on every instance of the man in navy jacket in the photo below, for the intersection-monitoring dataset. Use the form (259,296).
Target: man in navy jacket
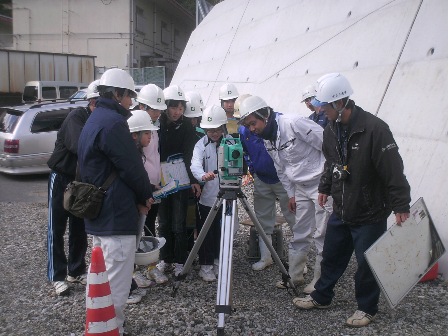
(106,146)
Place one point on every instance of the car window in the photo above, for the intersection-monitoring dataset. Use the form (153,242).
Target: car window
(30,93)
(49,92)
(9,120)
(81,94)
(47,121)
(67,91)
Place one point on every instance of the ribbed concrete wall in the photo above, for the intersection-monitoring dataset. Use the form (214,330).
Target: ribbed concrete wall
(395,54)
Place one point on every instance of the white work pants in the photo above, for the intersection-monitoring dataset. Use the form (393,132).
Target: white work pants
(311,219)
(265,196)
(119,256)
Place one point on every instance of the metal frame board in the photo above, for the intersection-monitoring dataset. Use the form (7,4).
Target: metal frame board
(404,254)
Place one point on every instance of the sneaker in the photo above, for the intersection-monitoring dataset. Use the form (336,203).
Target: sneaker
(359,319)
(153,273)
(178,268)
(136,296)
(82,279)
(262,264)
(206,273)
(281,285)
(141,280)
(60,287)
(308,303)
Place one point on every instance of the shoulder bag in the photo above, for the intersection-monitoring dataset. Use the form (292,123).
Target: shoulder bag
(84,200)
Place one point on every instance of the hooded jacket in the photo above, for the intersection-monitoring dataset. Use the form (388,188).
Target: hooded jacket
(105,145)
(376,184)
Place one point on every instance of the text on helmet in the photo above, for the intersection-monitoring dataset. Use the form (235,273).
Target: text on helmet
(340,94)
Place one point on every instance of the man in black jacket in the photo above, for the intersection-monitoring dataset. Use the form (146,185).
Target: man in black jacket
(63,164)
(364,175)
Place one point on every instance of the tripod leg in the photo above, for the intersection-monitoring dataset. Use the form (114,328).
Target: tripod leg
(198,243)
(261,233)
(224,290)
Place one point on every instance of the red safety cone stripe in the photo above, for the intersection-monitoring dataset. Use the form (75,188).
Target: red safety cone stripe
(99,290)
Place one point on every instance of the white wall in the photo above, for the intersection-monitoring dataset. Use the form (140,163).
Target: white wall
(275,48)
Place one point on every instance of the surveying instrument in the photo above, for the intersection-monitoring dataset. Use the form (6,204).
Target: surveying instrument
(230,171)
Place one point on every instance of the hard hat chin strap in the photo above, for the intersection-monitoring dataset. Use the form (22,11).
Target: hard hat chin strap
(340,111)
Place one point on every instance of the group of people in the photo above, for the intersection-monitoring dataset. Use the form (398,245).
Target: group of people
(337,176)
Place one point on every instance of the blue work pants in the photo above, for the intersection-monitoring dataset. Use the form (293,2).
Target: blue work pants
(340,241)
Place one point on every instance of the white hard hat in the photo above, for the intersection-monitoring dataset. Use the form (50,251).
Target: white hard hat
(149,250)
(141,121)
(251,105)
(308,92)
(92,89)
(213,117)
(236,106)
(331,87)
(194,95)
(228,91)
(194,105)
(152,96)
(174,92)
(118,78)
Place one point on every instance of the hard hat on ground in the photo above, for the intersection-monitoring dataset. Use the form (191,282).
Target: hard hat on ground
(118,78)
(152,96)
(330,88)
(194,105)
(174,92)
(308,92)
(228,91)
(92,89)
(149,250)
(213,117)
(251,105)
(236,106)
(141,121)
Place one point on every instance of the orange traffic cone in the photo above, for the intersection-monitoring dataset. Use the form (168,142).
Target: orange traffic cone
(100,315)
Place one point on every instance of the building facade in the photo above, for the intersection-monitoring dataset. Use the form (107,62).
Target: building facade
(120,33)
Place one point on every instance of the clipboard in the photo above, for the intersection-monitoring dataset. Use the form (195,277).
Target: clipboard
(174,170)
(166,190)
(404,254)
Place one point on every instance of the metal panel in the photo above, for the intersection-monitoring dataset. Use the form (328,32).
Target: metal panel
(404,254)
(60,68)
(31,69)
(4,72)
(75,65)
(46,67)
(87,70)
(16,70)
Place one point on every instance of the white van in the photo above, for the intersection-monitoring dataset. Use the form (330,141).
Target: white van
(40,91)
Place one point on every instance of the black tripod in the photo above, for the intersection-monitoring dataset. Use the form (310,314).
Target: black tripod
(229,218)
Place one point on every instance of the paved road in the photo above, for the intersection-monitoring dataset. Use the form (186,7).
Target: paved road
(23,188)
